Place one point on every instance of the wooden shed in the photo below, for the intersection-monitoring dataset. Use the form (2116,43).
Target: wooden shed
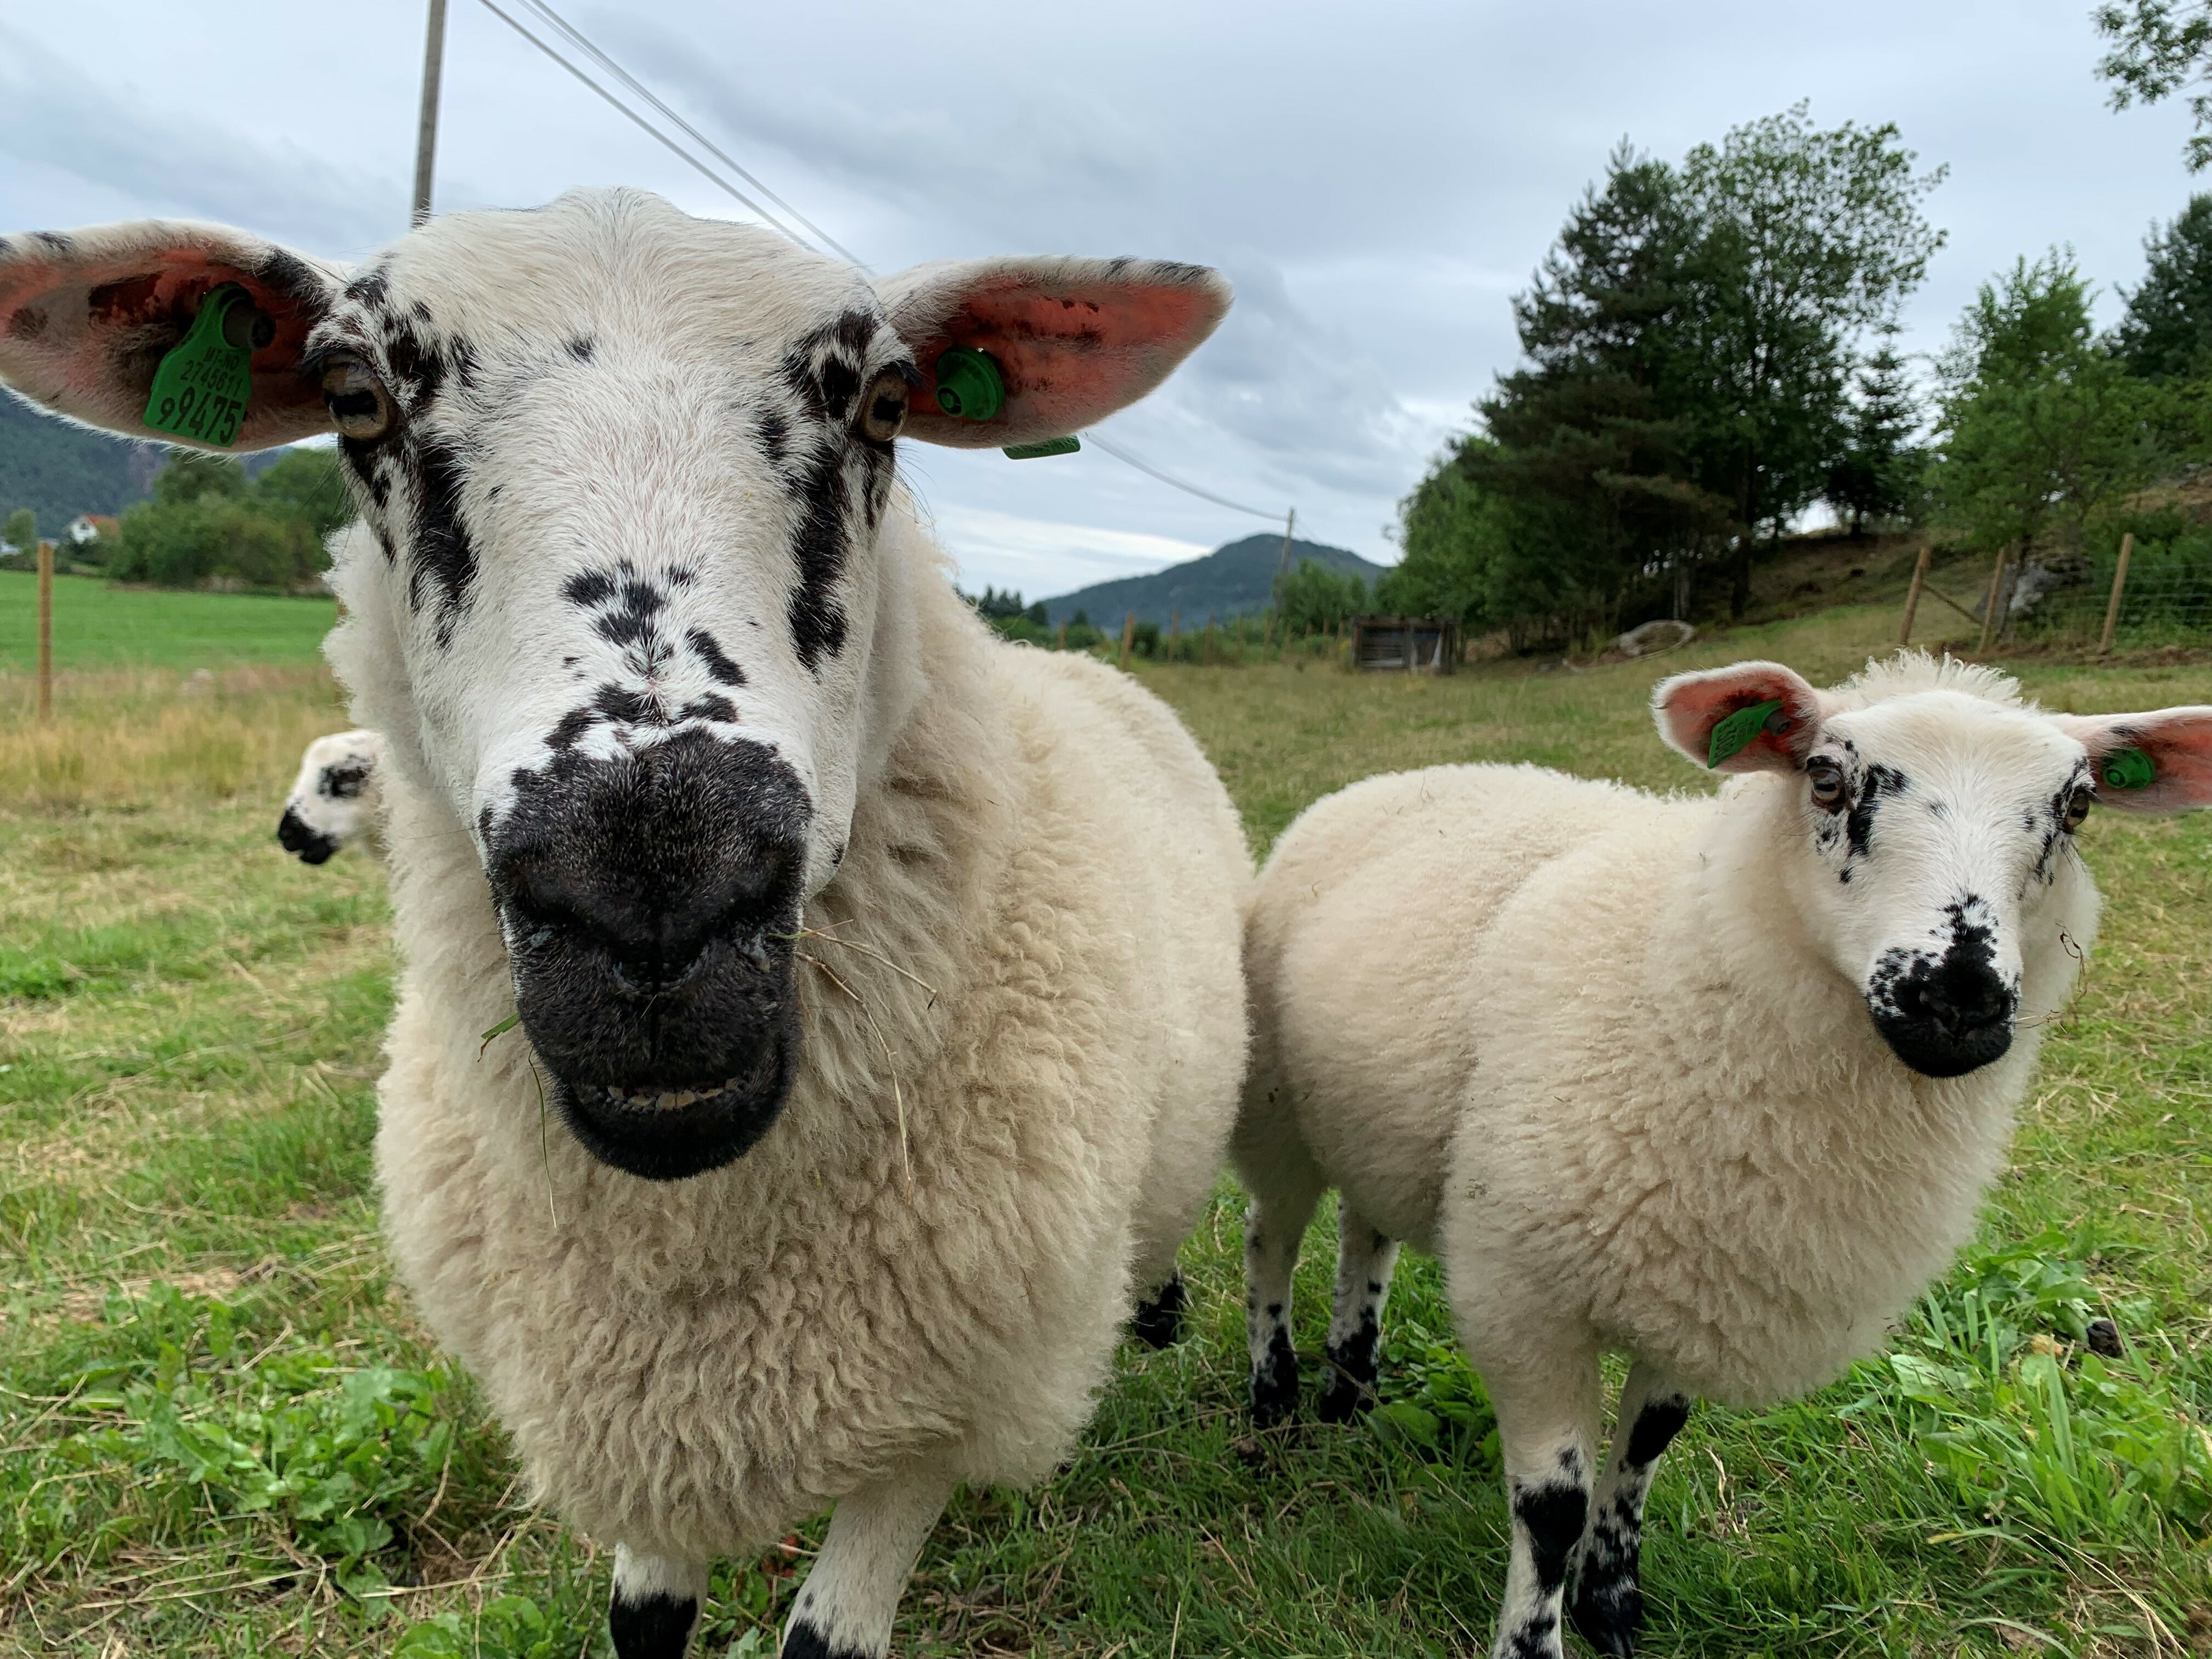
(1426,644)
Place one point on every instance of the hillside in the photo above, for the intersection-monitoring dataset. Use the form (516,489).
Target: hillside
(1235,579)
(59,470)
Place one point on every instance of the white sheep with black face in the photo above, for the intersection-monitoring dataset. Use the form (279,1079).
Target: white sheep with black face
(333,803)
(1715,1083)
(886,977)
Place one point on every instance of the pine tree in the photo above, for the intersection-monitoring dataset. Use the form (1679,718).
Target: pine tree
(1872,477)
(2166,334)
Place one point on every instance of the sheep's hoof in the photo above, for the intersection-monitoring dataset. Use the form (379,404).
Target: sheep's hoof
(1344,1399)
(1158,1323)
(1275,1383)
(1606,1612)
(803,1641)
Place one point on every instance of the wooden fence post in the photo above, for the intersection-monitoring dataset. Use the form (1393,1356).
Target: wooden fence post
(1129,636)
(1912,599)
(1174,621)
(2119,581)
(1990,605)
(1059,639)
(45,631)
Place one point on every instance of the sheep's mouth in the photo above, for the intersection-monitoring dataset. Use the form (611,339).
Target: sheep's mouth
(668,1131)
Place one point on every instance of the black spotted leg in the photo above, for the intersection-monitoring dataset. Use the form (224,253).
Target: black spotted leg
(1547,1398)
(1275,1226)
(1364,1261)
(1608,1606)
(655,1604)
(849,1603)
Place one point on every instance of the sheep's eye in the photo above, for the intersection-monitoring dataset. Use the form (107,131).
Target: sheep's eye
(357,401)
(2077,808)
(882,407)
(1827,781)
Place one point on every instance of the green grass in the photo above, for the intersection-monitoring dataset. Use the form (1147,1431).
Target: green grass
(226,1434)
(99,626)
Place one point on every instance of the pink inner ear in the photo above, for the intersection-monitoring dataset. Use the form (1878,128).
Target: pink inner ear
(1694,705)
(1068,358)
(2179,742)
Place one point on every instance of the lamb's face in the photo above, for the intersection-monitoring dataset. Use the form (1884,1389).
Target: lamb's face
(1938,851)
(333,800)
(619,603)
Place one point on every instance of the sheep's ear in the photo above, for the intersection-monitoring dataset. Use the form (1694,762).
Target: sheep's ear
(1714,717)
(86,316)
(2157,761)
(1072,339)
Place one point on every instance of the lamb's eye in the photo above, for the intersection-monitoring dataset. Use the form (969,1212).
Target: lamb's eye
(882,407)
(1827,781)
(357,401)
(2077,808)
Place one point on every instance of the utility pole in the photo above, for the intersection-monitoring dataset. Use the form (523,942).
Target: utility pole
(1283,566)
(426,135)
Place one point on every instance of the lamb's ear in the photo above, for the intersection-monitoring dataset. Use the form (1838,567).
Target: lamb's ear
(2157,761)
(1073,339)
(1691,709)
(86,316)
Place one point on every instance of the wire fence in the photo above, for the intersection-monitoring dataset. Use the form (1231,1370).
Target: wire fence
(2165,597)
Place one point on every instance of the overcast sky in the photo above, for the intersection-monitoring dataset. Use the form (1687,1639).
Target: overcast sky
(1377,179)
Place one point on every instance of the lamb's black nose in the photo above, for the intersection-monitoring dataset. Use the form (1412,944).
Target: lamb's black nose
(649,902)
(1944,1017)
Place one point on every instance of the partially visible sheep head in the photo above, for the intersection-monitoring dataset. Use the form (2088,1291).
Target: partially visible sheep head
(617,601)
(1927,839)
(333,800)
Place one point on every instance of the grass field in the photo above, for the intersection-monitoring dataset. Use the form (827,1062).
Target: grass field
(225,1434)
(99,626)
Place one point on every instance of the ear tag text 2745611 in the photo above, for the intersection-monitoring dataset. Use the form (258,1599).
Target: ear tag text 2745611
(2127,768)
(1733,735)
(970,387)
(201,387)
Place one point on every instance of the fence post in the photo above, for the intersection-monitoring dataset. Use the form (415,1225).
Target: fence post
(1129,636)
(1059,639)
(2119,581)
(1990,605)
(45,631)
(1912,599)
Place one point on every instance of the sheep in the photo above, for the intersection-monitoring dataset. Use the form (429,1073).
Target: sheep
(333,803)
(1718,1083)
(879,984)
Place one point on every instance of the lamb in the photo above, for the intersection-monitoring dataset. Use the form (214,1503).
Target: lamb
(1718,1083)
(333,803)
(884,979)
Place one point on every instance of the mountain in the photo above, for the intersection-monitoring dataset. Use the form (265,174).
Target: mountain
(1235,579)
(59,470)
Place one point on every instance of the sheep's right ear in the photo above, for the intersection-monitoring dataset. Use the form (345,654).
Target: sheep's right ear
(86,316)
(1714,717)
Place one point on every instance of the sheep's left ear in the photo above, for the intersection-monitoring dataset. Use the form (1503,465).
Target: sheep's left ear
(86,316)
(1716,719)
(1073,339)
(2158,762)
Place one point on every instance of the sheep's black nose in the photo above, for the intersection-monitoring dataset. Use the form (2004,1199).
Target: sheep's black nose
(649,903)
(1943,1017)
(1959,997)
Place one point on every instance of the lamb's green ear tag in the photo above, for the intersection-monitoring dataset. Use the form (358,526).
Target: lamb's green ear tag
(201,388)
(1037,452)
(969,384)
(2128,769)
(1733,734)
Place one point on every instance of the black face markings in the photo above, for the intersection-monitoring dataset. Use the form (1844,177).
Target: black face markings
(713,707)
(823,372)
(571,726)
(1877,781)
(445,556)
(345,781)
(583,347)
(775,437)
(709,651)
(1944,1008)
(626,707)
(371,288)
(302,840)
(588,587)
(655,1626)
(55,241)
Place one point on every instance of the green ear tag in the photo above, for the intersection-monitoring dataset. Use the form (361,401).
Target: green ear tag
(969,384)
(2128,769)
(1733,734)
(1039,451)
(201,388)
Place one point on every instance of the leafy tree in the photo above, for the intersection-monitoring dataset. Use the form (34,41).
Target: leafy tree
(214,539)
(1461,554)
(2158,47)
(1874,476)
(2039,427)
(305,481)
(22,531)
(1315,597)
(1038,615)
(2166,334)
(192,474)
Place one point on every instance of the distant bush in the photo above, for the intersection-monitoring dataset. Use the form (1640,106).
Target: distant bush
(208,525)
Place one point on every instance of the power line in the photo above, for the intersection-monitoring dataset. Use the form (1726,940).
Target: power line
(645,92)
(541,9)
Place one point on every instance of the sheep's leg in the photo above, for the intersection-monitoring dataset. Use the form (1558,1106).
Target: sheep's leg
(849,1602)
(1546,1400)
(1364,1261)
(1608,1606)
(1275,1226)
(1158,1322)
(656,1602)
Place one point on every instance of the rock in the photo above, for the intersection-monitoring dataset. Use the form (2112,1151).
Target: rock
(2103,1338)
(1654,637)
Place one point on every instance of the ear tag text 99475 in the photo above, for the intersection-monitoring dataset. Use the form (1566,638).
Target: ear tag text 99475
(2127,768)
(970,387)
(1734,735)
(201,387)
